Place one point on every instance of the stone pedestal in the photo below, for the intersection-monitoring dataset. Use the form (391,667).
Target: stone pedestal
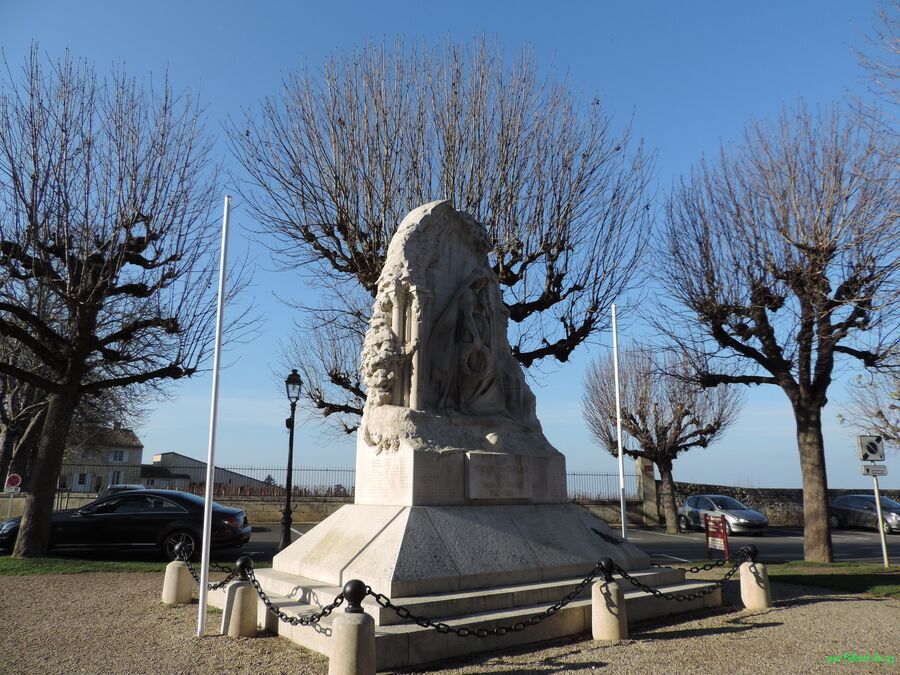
(415,550)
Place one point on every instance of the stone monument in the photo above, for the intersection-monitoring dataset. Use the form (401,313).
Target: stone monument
(461,513)
(457,487)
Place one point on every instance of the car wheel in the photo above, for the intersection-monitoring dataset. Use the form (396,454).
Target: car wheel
(186,538)
(727,528)
(885,527)
(834,521)
(683,524)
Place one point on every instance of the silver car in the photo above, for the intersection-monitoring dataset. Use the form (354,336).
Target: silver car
(859,511)
(738,518)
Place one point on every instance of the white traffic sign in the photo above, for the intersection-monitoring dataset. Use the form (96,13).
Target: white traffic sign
(13,483)
(874,470)
(871,449)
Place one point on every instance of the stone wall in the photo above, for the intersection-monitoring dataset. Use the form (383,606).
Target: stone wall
(782,506)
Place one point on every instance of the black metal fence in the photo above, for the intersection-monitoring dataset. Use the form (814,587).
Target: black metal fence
(600,487)
(269,481)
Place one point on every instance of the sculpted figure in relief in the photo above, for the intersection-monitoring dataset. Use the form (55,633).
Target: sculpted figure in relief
(462,346)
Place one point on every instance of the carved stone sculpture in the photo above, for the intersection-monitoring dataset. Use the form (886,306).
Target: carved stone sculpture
(449,417)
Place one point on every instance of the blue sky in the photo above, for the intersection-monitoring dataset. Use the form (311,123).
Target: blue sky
(692,75)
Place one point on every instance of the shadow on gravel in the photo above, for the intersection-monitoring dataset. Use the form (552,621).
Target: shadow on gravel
(812,600)
(551,664)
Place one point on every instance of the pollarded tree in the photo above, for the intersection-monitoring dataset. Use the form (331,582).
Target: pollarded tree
(874,406)
(782,257)
(106,196)
(336,162)
(664,413)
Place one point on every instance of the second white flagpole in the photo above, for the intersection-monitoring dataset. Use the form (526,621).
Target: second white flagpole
(211,455)
(619,425)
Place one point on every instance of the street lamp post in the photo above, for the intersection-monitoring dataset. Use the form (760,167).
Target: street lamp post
(292,384)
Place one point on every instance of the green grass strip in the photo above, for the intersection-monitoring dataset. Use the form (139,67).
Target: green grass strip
(22,567)
(848,577)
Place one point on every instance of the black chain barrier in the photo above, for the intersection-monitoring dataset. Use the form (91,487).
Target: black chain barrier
(604,567)
(355,591)
(302,619)
(747,553)
(183,554)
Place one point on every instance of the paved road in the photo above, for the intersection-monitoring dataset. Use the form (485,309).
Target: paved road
(264,541)
(780,544)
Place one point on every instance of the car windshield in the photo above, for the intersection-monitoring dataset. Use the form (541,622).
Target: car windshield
(727,503)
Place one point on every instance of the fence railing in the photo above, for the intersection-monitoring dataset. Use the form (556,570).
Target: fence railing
(269,481)
(600,487)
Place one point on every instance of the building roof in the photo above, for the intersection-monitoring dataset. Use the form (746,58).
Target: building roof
(152,471)
(107,437)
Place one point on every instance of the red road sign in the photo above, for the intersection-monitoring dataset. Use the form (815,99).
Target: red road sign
(13,480)
(716,535)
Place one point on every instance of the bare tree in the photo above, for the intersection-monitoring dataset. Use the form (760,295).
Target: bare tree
(337,161)
(664,413)
(106,192)
(881,57)
(874,406)
(782,257)
(22,404)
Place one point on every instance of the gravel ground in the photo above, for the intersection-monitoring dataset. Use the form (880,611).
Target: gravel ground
(114,623)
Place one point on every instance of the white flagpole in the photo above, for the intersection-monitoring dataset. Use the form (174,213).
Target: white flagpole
(619,425)
(211,455)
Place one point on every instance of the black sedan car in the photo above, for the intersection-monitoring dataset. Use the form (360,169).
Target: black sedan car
(860,511)
(139,519)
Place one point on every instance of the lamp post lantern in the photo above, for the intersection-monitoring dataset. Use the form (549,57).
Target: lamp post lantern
(292,384)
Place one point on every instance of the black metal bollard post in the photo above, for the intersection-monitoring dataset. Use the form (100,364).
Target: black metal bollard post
(608,567)
(244,566)
(354,594)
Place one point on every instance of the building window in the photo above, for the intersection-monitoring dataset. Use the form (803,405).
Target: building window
(117,456)
(82,478)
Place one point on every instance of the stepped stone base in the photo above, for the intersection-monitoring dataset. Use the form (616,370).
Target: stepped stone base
(400,645)
(474,566)
(419,550)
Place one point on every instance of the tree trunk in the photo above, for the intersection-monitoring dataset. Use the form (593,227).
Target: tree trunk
(26,447)
(816,533)
(667,496)
(7,442)
(34,530)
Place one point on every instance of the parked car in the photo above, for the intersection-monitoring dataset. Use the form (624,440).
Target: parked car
(121,487)
(738,518)
(139,519)
(859,511)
